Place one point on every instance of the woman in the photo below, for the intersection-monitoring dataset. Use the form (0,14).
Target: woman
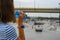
(7,31)
(19,15)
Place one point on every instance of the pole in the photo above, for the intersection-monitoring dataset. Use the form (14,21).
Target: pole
(59,14)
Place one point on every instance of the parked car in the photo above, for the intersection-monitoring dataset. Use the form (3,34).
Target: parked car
(38,26)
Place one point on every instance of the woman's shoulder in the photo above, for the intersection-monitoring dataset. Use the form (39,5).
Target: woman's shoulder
(5,27)
(8,30)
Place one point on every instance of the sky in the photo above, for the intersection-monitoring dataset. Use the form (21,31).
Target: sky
(38,4)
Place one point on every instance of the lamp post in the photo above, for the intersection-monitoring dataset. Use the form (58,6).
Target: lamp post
(34,7)
(59,14)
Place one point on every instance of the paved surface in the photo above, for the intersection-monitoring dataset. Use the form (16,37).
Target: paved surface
(30,34)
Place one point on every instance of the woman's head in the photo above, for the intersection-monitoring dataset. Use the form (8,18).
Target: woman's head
(22,14)
(6,11)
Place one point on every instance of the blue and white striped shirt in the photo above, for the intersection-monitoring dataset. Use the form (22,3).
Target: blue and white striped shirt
(7,32)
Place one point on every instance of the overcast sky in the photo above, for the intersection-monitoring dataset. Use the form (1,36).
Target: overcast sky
(38,3)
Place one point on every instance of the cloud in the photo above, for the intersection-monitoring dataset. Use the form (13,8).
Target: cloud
(39,3)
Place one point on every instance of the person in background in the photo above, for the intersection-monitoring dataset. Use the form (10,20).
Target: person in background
(20,15)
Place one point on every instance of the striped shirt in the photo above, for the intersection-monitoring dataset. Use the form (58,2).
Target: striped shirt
(7,32)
